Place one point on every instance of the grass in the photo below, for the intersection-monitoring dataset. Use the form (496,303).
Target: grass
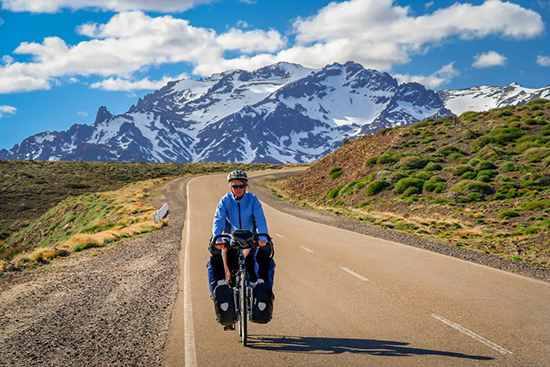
(493,180)
(58,217)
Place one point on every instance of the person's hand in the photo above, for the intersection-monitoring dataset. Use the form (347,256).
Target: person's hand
(220,245)
(262,243)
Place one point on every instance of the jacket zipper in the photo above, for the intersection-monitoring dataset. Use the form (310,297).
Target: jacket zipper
(240,224)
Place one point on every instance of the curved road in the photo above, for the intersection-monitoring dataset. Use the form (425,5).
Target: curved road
(344,298)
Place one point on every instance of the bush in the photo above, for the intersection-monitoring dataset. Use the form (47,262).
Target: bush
(435,187)
(335,172)
(376,187)
(483,165)
(402,185)
(460,170)
(432,166)
(468,175)
(545,130)
(472,186)
(369,162)
(508,214)
(508,167)
(334,192)
(504,114)
(487,172)
(502,135)
(449,149)
(412,191)
(535,205)
(412,162)
(535,155)
(386,158)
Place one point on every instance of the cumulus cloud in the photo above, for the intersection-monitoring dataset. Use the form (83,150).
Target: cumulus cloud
(7,110)
(379,33)
(442,76)
(53,6)
(375,33)
(119,84)
(488,59)
(543,60)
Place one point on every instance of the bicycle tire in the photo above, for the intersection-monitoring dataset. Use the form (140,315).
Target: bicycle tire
(243,311)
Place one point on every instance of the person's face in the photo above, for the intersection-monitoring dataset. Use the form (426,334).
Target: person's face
(237,187)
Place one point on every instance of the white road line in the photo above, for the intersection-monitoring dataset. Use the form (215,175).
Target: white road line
(471,334)
(190,350)
(306,249)
(279,235)
(354,273)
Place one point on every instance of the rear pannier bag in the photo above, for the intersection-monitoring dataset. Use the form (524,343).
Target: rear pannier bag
(262,304)
(225,305)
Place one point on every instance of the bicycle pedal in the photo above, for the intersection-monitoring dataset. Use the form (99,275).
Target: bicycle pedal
(229,327)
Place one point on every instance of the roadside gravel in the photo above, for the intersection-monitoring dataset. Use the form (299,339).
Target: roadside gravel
(110,309)
(115,308)
(517,267)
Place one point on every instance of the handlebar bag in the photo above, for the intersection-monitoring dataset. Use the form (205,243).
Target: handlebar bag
(243,238)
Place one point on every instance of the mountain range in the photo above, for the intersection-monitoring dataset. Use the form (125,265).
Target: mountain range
(282,113)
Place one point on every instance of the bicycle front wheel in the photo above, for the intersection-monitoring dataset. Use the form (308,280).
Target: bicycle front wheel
(243,311)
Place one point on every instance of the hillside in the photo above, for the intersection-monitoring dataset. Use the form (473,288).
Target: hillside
(479,181)
(44,204)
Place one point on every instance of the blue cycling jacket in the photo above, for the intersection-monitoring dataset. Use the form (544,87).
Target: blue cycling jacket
(240,214)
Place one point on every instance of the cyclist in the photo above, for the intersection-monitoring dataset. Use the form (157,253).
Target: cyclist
(239,209)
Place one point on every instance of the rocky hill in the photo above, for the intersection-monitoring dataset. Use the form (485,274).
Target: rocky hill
(480,181)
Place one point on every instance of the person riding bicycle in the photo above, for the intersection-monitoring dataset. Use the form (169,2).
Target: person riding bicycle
(240,209)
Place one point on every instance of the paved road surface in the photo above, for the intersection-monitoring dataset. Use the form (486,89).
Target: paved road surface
(346,299)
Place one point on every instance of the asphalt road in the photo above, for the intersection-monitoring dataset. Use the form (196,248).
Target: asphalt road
(346,299)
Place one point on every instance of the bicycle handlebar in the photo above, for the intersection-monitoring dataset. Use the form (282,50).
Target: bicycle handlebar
(229,237)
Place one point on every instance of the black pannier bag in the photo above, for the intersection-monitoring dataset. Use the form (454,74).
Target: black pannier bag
(224,304)
(262,304)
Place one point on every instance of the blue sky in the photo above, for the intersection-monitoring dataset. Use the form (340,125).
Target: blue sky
(62,59)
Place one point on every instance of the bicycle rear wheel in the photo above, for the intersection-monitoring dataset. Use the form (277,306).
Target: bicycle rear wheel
(243,294)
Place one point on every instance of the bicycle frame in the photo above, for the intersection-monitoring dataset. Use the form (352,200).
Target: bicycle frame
(242,292)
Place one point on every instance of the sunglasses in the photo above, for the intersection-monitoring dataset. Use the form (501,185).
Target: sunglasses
(238,186)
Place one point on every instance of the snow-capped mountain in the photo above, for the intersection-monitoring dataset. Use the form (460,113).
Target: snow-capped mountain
(280,113)
(484,98)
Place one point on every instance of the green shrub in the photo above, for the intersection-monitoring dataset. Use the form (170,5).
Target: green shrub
(386,158)
(422,175)
(371,161)
(348,188)
(504,114)
(472,186)
(510,213)
(376,187)
(545,130)
(334,192)
(509,167)
(394,177)
(535,155)
(449,149)
(483,165)
(484,178)
(405,183)
(487,172)
(460,170)
(502,135)
(435,187)
(535,205)
(413,190)
(412,162)
(432,166)
(470,175)
(428,140)
(335,172)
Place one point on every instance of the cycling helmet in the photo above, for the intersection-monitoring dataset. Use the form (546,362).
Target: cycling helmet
(237,175)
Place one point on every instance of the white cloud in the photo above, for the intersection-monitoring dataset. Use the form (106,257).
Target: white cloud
(488,59)
(243,24)
(378,33)
(429,4)
(82,113)
(375,33)
(118,84)
(543,60)
(442,76)
(7,110)
(53,6)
